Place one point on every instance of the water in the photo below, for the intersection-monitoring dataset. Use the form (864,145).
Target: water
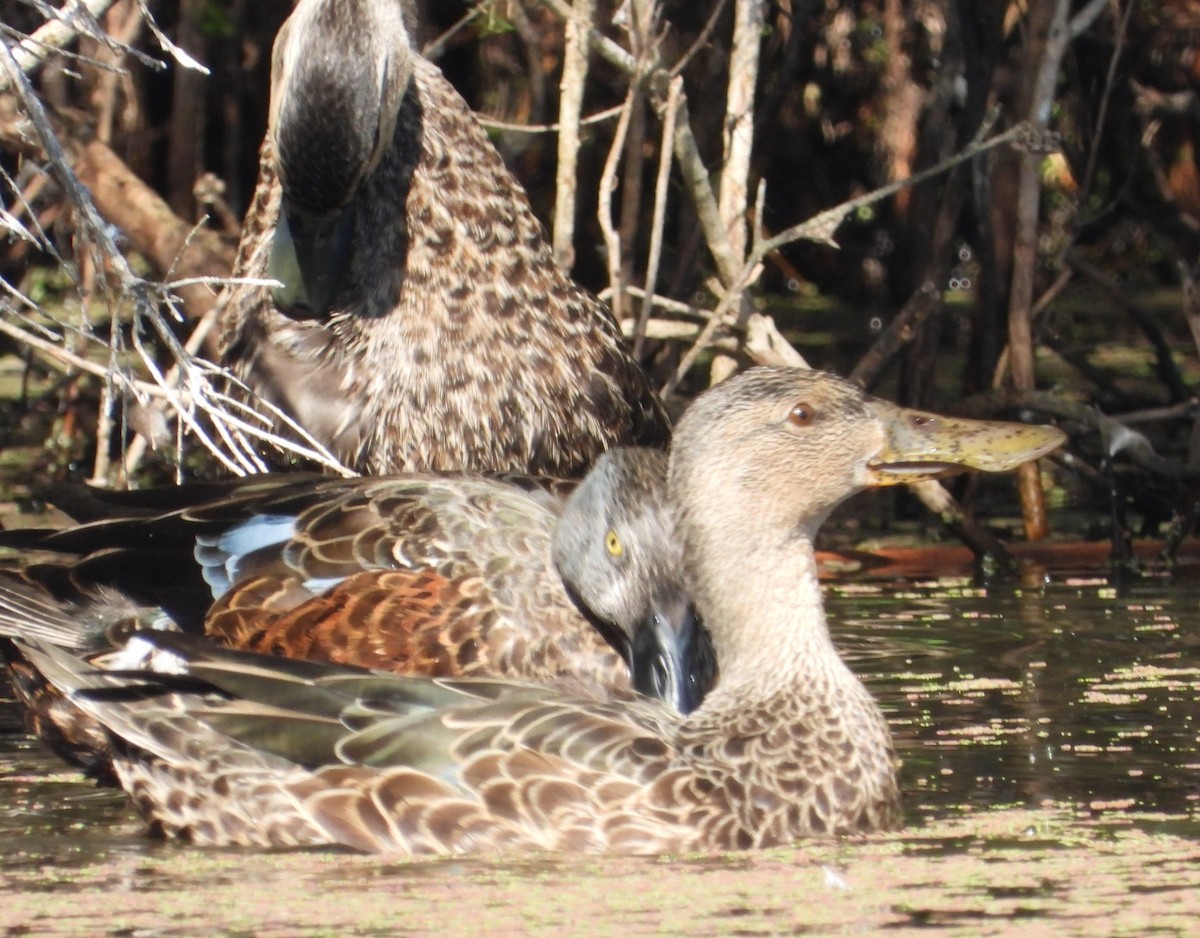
(1050,736)
(1061,691)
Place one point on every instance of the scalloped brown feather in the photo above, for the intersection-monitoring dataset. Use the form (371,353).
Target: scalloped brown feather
(230,748)
(459,342)
(435,575)
(534,768)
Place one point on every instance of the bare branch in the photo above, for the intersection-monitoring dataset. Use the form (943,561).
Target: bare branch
(605,47)
(822,226)
(748,21)
(76,16)
(661,183)
(1088,15)
(188,388)
(612,241)
(434,49)
(490,123)
(181,57)
(574,77)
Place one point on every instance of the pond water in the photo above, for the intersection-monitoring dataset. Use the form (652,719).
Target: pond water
(1049,728)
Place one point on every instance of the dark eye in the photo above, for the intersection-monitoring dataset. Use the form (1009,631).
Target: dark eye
(802,415)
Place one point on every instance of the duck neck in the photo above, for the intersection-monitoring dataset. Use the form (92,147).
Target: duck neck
(788,720)
(781,640)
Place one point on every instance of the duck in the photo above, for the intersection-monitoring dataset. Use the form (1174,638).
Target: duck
(435,574)
(221,747)
(420,320)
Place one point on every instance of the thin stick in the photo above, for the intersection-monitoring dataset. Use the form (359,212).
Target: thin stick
(1089,172)
(574,77)
(748,21)
(137,448)
(821,227)
(56,33)
(643,15)
(658,219)
(1044,56)
(490,123)
(612,241)
(687,151)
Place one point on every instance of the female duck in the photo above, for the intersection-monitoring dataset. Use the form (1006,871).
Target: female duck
(788,744)
(422,322)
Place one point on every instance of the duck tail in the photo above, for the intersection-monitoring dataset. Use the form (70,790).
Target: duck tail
(93,620)
(73,734)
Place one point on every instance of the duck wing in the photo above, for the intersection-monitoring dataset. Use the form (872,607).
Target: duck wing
(233,748)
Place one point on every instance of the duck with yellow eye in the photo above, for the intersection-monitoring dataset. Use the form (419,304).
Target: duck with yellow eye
(613,543)
(454,575)
(670,653)
(220,747)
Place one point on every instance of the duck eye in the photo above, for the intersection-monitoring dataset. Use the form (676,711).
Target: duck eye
(802,415)
(613,543)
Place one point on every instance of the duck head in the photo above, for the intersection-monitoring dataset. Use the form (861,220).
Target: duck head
(339,71)
(614,546)
(758,462)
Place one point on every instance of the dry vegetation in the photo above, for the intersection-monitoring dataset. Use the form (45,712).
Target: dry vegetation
(986,196)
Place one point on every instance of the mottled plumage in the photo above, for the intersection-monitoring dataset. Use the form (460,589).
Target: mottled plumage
(423,323)
(419,574)
(227,748)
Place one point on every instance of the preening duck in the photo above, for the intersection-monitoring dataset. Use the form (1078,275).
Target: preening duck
(442,575)
(422,322)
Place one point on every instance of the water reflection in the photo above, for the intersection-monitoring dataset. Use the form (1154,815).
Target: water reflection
(1060,692)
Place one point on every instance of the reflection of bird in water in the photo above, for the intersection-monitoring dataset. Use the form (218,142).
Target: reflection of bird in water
(422,321)
(228,748)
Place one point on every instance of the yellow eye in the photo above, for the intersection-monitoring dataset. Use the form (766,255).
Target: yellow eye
(613,543)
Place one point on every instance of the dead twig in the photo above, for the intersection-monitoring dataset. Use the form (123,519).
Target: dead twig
(574,77)
(821,228)
(76,16)
(230,431)
(661,182)
(900,331)
(608,182)
(1050,30)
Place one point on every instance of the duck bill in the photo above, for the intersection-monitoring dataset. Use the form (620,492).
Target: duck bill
(921,446)
(671,655)
(310,257)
